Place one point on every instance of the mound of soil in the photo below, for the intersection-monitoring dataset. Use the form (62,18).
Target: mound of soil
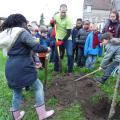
(66,91)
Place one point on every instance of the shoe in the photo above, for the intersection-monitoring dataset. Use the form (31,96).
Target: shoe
(75,64)
(69,74)
(99,80)
(18,115)
(42,113)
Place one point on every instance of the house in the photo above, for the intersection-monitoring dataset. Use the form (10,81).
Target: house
(98,11)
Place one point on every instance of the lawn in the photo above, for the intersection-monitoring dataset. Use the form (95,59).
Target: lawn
(72,112)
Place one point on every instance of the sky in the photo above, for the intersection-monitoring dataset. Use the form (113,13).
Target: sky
(32,9)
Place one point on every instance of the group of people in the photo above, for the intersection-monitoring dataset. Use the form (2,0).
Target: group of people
(24,44)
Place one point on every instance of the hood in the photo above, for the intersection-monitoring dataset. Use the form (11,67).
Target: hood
(115,41)
(9,36)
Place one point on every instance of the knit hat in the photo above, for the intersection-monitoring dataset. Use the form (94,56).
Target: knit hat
(107,36)
(43,29)
(33,27)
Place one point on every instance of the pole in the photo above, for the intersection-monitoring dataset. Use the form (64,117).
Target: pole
(114,100)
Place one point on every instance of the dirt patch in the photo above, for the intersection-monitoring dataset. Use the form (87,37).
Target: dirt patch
(66,91)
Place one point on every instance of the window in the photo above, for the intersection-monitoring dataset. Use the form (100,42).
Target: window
(88,9)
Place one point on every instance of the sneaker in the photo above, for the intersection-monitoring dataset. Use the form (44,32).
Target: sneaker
(99,80)
(69,74)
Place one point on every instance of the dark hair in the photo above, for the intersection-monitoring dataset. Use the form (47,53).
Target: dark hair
(14,20)
(107,36)
(116,13)
(79,19)
(63,5)
(86,21)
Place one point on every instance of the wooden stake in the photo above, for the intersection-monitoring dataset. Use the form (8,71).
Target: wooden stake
(114,100)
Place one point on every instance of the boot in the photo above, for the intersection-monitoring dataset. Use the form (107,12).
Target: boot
(42,113)
(18,115)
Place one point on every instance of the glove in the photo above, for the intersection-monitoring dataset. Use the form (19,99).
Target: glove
(52,21)
(59,43)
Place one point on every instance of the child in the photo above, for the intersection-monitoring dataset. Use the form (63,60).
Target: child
(92,47)
(112,57)
(20,69)
(74,34)
(44,41)
(82,35)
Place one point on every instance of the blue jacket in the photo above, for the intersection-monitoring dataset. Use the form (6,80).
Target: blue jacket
(44,42)
(20,69)
(51,39)
(88,49)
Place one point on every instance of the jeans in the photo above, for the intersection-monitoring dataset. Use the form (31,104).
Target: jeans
(52,46)
(75,54)
(69,50)
(17,95)
(52,54)
(90,61)
(108,70)
(81,57)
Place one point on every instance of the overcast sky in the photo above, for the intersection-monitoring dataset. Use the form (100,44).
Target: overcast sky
(32,9)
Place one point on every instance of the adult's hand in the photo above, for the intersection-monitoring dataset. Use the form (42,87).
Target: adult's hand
(59,43)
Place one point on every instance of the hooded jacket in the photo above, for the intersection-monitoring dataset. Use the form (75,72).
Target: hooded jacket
(112,52)
(20,69)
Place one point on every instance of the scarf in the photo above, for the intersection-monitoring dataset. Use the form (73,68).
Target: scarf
(95,40)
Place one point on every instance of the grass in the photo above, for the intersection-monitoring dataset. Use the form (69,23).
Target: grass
(73,112)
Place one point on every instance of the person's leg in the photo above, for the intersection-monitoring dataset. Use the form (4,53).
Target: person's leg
(56,61)
(16,102)
(69,51)
(79,57)
(17,99)
(51,54)
(76,54)
(88,62)
(39,93)
(40,104)
(83,58)
(93,57)
(109,70)
(62,51)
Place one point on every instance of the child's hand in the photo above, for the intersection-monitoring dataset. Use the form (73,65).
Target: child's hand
(101,44)
(49,49)
(100,68)
(38,65)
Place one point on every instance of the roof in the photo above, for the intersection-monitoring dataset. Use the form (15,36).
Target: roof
(2,18)
(98,4)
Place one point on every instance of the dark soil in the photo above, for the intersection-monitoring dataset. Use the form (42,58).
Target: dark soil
(66,91)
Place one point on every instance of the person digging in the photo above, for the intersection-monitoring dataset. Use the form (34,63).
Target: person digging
(111,59)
